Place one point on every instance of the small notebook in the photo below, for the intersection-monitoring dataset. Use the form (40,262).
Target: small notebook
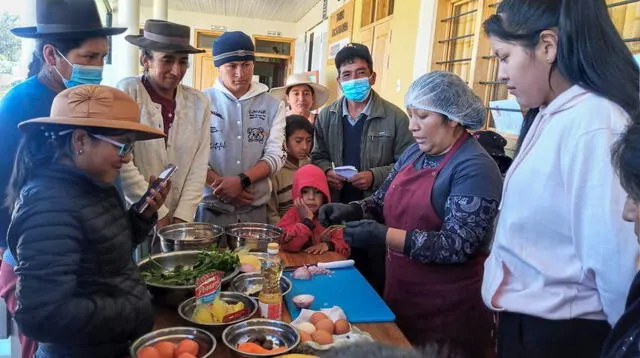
(346,171)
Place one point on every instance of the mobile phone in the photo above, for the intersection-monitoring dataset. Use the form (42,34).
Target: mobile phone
(166,174)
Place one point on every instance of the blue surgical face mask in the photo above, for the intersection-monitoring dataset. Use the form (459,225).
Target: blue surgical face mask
(356,90)
(81,74)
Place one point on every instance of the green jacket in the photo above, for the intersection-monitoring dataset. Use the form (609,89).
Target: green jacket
(385,136)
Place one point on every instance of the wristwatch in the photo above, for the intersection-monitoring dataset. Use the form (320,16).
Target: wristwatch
(245,181)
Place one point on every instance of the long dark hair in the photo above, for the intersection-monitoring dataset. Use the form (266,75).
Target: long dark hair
(64,45)
(38,149)
(590,51)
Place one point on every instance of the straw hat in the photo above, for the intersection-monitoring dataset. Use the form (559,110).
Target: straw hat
(94,106)
(320,92)
(66,19)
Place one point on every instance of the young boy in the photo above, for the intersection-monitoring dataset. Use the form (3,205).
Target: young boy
(301,225)
(299,139)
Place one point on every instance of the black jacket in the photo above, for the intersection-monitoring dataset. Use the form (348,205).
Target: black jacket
(624,339)
(78,290)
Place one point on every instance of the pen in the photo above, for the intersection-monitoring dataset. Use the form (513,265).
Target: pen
(333,166)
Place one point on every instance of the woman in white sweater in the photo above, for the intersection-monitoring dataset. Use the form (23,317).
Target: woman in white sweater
(562,258)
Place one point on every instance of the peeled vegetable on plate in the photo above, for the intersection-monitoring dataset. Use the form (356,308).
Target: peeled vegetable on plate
(187,348)
(260,344)
(216,311)
(249,262)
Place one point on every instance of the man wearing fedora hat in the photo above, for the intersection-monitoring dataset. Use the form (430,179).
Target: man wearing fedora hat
(181,111)
(247,136)
(302,95)
(71,44)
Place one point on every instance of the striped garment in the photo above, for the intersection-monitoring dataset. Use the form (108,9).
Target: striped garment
(281,199)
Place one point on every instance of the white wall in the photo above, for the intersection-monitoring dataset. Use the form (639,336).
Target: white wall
(424,41)
(203,21)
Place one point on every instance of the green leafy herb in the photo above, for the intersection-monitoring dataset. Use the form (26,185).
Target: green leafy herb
(207,261)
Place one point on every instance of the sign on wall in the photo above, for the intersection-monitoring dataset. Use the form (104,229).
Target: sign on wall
(340,29)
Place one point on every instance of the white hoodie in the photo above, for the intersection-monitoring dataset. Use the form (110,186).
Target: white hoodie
(561,249)
(244,131)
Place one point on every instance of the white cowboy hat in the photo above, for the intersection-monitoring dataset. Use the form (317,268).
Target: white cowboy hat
(320,92)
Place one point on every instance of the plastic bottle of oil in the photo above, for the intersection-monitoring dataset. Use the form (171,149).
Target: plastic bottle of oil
(270,299)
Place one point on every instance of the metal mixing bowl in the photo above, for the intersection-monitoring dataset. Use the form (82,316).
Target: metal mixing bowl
(186,308)
(171,295)
(206,341)
(243,282)
(189,236)
(253,236)
(279,332)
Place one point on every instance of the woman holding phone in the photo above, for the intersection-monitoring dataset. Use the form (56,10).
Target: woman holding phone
(79,293)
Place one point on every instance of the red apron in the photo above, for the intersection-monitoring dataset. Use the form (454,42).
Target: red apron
(432,302)
(8,282)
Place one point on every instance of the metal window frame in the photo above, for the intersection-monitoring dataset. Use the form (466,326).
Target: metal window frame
(621,3)
(450,42)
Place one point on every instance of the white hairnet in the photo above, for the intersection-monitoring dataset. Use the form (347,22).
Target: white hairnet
(444,92)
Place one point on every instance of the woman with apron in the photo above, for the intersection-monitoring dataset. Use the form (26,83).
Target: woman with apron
(438,206)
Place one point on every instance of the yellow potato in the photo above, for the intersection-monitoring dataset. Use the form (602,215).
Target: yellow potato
(215,312)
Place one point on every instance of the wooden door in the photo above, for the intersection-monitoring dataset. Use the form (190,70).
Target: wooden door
(204,73)
(380,53)
(366,37)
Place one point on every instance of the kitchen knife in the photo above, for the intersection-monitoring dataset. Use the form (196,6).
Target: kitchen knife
(336,264)
(327,265)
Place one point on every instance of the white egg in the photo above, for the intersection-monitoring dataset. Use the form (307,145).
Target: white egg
(306,327)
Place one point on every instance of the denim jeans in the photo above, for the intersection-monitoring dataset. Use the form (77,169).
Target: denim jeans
(43,353)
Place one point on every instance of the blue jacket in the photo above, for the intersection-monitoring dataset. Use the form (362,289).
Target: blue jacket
(27,100)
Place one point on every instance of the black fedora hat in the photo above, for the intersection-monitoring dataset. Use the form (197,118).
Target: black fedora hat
(66,19)
(164,36)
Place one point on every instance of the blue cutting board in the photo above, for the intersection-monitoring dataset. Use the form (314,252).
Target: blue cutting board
(346,288)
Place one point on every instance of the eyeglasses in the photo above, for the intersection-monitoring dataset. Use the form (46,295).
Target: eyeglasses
(125,148)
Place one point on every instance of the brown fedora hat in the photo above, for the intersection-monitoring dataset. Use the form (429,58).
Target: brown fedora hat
(66,18)
(164,36)
(94,106)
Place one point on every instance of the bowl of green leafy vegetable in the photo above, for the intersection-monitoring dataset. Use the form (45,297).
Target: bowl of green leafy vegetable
(171,276)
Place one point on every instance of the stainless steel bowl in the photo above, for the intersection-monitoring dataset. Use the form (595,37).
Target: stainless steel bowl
(206,341)
(172,295)
(253,236)
(189,236)
(243,282)
(279,332)
(186,308)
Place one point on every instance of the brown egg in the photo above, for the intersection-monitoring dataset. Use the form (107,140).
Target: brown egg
(341,326)
(322,337)
(317,317)
(325,325)
(304,336)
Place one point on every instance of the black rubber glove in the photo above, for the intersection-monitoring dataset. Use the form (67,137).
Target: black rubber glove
(364,233)
(336,213)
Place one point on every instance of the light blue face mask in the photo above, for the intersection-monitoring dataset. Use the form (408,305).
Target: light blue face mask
(356,90)
(81,74)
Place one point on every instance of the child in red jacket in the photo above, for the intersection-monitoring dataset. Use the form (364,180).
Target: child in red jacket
(302,228)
